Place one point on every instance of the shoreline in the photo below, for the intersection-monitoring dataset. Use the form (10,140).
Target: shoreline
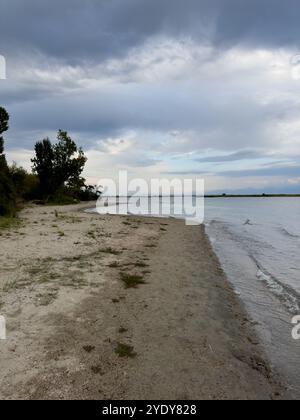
(75,331)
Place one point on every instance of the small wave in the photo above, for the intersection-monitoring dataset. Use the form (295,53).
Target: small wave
(286,294)
(287,233)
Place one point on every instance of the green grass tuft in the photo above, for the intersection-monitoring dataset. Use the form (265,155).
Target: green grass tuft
(131,281)
(8,222)
(122,330)
(124,350)
(109,250)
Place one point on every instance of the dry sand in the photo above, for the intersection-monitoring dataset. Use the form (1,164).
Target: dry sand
(68,310)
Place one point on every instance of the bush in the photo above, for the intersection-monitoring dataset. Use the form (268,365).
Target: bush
(7,201)
(26,186)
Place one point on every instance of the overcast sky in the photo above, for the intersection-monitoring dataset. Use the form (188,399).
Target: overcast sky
(170,88)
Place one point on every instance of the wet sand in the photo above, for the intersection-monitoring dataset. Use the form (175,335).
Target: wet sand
(75,330)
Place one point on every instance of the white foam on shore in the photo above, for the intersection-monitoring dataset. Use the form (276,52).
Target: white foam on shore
(286,296)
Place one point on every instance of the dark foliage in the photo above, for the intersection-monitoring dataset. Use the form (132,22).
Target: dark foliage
(7,204)
(59,167)
(56,177)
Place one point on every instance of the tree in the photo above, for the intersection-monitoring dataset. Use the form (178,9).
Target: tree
(6,188)
(4,118)
(69,161)
(58,166)
(43,166)
(26,185)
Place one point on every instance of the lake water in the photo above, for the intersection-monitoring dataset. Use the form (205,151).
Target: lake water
(257,241)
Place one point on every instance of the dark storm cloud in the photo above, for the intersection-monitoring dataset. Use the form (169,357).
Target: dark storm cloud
(217,73)
(91,29)
(265,23)
(76,29)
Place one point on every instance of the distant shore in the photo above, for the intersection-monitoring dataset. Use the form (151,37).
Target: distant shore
(110,307)
(217,196)
(253,196)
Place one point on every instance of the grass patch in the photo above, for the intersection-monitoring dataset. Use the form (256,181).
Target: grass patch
(131,281)
(54,276)
(97,370)
(88,349)
(122,330)
(114,264)
(17,284)
(105,235)
(91,234)
(73,259)
(68,219)
(75,280)
(35,271)
(11,285)
(109,250)
(124,350)
(114,300)
(8,223)
(141,264)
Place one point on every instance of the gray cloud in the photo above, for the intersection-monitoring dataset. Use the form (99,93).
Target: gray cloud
(290,171)
(201,123)
(75,30)
(192,78)
(233,157)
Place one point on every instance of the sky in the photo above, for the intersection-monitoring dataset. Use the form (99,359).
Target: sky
(161,88)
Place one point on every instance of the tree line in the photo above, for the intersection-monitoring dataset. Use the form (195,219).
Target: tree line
(56,175)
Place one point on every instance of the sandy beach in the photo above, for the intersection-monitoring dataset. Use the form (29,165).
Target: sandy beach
(110,307)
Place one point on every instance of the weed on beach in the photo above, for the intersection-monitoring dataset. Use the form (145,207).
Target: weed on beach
(115,300)
(75,280)
(88,348)
(131,281)
(122,330)
(10,286)
(97,370)
(8,223)
(124,350)
(34,271)
(140,264)
(109,250)
(114,264)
